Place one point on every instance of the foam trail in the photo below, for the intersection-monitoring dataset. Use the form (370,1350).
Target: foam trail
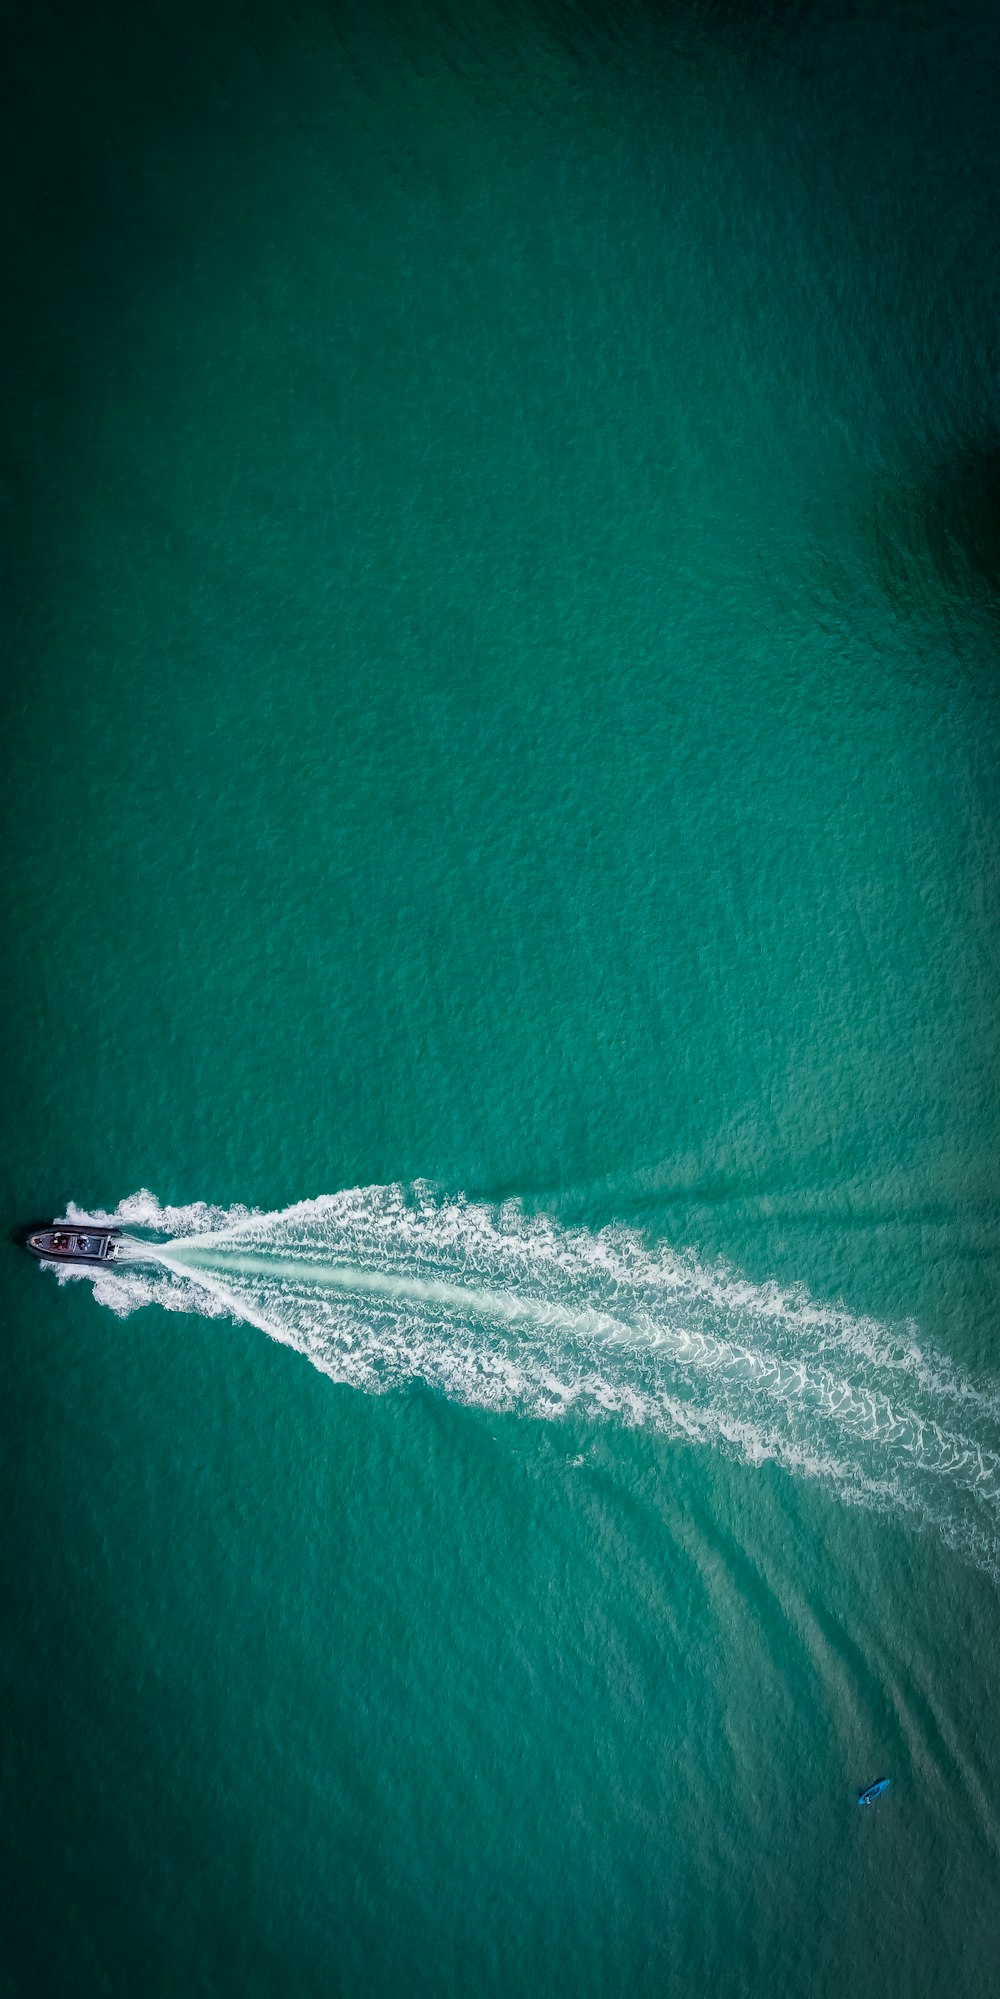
(380,1286)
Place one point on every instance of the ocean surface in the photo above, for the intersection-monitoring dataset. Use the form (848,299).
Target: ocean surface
(501,877)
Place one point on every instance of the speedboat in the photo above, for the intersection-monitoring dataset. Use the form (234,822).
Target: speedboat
(874,1791)
(62,1243)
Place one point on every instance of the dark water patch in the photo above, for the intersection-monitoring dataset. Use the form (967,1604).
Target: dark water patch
(963,520)
(940,533)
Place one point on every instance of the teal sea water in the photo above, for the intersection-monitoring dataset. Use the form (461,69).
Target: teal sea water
(500,862)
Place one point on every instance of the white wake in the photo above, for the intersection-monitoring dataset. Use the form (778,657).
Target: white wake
(380,1286)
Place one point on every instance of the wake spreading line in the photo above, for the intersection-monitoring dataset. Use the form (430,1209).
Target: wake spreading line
(382,1286)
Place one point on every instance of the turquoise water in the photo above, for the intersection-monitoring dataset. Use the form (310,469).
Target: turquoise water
(501,838)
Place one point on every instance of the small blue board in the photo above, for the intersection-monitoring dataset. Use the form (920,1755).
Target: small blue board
(874,1791)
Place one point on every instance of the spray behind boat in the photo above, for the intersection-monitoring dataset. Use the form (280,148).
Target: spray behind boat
(380,1287)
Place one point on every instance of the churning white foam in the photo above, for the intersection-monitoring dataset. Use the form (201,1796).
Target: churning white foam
(379,1286)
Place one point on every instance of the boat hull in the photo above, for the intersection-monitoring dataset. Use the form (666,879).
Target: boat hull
(63,1242)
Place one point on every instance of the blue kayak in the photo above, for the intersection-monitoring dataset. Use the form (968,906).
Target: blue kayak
(874,1791)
